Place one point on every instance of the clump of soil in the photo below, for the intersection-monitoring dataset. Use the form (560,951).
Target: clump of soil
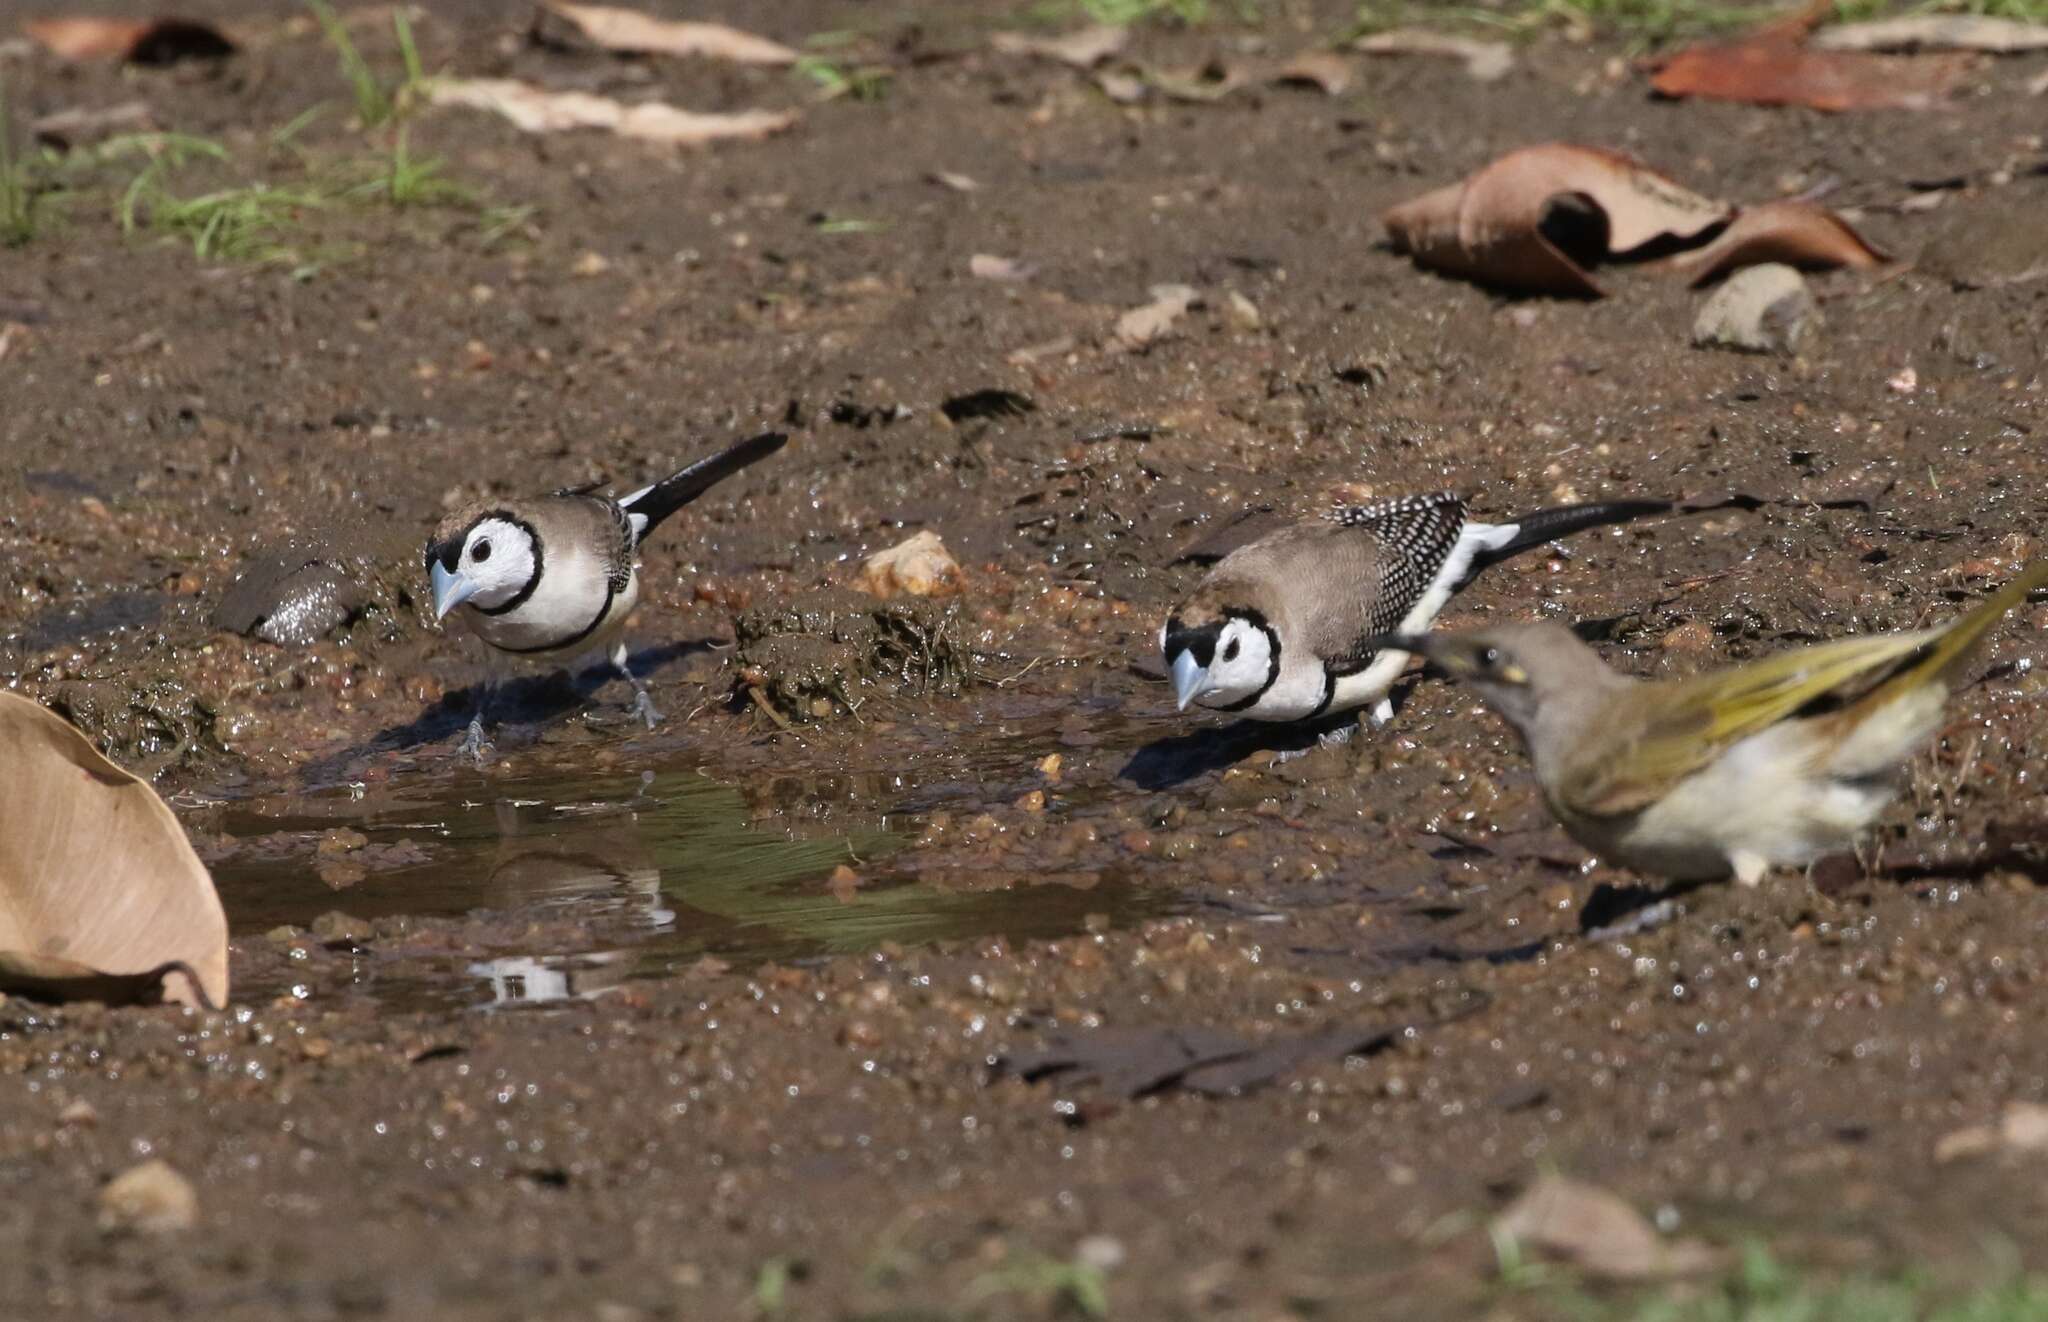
(823,654)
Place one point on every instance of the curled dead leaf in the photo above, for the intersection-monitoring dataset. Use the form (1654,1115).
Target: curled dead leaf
(154,41)
(1599,1233)
(1795,233)
(1509,223)
(138,41)
(1485,61)
(630,31)
(101,895)
(919,567)
(536,110)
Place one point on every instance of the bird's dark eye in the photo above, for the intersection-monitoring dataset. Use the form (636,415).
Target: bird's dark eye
(1490,657)
(481,551)
(1230,652)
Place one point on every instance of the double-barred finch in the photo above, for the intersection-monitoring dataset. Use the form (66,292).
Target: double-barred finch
(1778,762)
(1288,627)
(550,578)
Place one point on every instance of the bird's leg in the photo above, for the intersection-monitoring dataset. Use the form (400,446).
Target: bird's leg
(475,744)
(1382,712)
(643,701)
(1749,868)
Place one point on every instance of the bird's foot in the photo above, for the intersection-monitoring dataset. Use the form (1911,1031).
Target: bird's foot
(1338,737)
(475,744)
(1748,868)
(644,708)
(1382,712)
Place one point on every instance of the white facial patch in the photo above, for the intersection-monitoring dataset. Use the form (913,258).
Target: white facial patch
(499,557)
(1241,665)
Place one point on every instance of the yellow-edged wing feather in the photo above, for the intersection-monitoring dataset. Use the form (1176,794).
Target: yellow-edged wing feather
(1688,723)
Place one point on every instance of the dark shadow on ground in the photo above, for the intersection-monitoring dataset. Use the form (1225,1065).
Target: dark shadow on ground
(519,707)
(1177,759)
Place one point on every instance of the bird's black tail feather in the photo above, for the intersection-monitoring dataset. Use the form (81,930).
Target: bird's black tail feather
(1548,525)
(679,489)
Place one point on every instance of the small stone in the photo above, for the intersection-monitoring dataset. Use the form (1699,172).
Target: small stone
(334,925)
(589,264)
(78,1115)
(1103,1253)
(1243,313)
(1692,636)
(340,841)
(1759,309)
(150,1198)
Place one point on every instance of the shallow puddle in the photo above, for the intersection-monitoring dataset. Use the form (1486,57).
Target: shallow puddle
(569,885)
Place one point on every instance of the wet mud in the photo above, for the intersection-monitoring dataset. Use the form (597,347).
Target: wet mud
(711,1020)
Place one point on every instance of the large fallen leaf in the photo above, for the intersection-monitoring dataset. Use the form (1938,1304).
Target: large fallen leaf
(1598,1232)
(1795,233)
(629,31)
(1510,223)
(100,892)
(139,41)
(537,110)
(1083,49)
(1485,61)
(2003,36)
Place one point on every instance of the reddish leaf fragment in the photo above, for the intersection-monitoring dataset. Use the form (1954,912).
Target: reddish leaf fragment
(1501,225)
(138,41)
(1795,233)
(1774,69)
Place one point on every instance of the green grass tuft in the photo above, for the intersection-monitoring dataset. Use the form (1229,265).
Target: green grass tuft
(25,191)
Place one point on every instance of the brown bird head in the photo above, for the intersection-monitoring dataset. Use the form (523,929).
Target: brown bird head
(486,556)
(1520,669)
(1221,646)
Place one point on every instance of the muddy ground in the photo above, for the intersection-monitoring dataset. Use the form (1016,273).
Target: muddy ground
(770,958)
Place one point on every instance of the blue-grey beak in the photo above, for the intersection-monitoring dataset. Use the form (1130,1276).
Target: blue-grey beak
(1190,680)
(451,589)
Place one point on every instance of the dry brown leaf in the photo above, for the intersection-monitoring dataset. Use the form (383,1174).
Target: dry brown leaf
(2003,36)
(1491,227)
(629,30)
(1485,61)
(99,888)
(1774,66)
(1322,69)
(1599,1233)
(1795,233)
(1142,325)
(142,41)
(539,111)
(919,567)
(1083,49)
